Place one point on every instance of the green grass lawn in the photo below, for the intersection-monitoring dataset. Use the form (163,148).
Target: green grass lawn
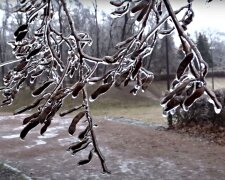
(118,102)
(218,82)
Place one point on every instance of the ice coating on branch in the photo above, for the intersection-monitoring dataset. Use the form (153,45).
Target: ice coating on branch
(161,36)
(216,109)
(121,68)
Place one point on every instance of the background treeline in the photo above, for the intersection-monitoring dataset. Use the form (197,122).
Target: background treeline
(106,32)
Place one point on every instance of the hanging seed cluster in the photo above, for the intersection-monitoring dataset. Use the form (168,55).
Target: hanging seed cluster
(38,54)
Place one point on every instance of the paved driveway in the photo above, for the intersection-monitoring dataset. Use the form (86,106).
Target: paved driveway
(133,152)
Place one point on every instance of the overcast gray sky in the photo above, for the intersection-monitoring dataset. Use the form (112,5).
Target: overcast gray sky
(208,16)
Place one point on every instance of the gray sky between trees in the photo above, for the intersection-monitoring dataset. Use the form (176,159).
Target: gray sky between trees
(208,16)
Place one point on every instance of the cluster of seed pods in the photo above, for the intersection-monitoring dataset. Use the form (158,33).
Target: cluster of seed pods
(38,55)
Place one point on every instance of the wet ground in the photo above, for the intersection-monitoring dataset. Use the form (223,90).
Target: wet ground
(133,151)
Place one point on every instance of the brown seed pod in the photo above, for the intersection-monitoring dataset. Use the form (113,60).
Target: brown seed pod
(116,3)
(20,29)
(137,66)
(59,95)
(137,52)
(22,1)
(78,145)
(189,19)
(173,103)
(41,89)
(185,46)
(139,6)
(44,114)
(121,11)
(21,81)
(108,79)
(174,83)
(54,110)
(124,43)
(5,102)
(34,52)
(122,77)
(81,148)
(37,73)
(73,124)
(126,82)
(84,133)
(45,127)
(70,110)
(86,161)
(134,91)
(184,64)
(21,36)
(77,88)
(30,126)
(159,8)
(110,59)
(31,106)
(29,118)
(146,18)
(101,90)
(21,65)
(97,79)
(7,77)
(146,82)
(194,96)
(28,8)
(142,13)
(177,90)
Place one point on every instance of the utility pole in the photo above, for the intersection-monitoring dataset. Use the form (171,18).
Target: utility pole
(167,59)
(211,50)
(169,117)
(212,75)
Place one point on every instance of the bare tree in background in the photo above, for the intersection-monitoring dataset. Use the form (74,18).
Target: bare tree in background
(38,53)
(3,36)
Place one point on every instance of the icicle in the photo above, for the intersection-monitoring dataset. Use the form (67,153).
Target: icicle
(161,36)
(165,114)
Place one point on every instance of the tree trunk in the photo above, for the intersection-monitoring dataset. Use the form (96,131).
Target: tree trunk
(123,34)
(97,34)
(4,39)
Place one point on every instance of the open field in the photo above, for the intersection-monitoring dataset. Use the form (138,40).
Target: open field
(218,82)
(118,102)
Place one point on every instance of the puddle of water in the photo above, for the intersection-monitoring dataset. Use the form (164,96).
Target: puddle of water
(55,129)
(166,163)
(48,136)
(67,141)
(124,166)
(17,171)
(51,132)
(3,118)
(12,117)
(38,142)
(13,136)
(18,128)
(38,159)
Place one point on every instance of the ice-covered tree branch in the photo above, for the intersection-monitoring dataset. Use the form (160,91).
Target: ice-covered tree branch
(38,53)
